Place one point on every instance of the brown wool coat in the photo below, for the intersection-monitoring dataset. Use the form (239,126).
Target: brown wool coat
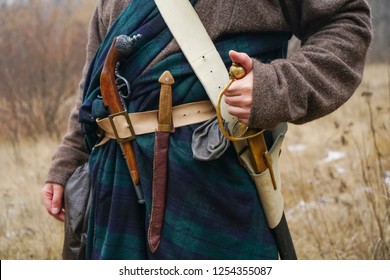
(311,83)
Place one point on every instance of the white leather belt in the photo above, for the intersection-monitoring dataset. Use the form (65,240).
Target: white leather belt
(118,127)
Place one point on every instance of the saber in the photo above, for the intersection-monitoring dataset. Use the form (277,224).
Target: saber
(120,47)
(261,162)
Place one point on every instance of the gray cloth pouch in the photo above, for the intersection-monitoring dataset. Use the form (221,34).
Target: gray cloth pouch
(208,142)
(77,198)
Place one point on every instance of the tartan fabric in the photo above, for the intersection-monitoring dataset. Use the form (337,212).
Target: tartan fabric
(213,211)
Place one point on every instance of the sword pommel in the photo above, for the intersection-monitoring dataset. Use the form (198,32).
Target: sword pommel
(166,78)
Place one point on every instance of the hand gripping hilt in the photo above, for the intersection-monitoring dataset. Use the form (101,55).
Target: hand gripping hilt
(240,131)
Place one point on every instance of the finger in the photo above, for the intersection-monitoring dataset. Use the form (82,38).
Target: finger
(243,59)
(240,113)
(241,86)
(243,101)
(238,88)
(51,194)
(47,196)
(233,91)
(58,194)
(60,216)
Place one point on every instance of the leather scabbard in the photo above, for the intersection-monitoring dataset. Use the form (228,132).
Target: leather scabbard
(159,189)
(160,161)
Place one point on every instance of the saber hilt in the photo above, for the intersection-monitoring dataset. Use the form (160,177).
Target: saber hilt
(239,131)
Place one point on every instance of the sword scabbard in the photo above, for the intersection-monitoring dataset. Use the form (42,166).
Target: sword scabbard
(261,162)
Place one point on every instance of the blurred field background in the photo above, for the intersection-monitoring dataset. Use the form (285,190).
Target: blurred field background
(336,170)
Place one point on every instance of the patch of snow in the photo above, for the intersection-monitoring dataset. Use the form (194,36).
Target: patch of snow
(332,156)
(298,148)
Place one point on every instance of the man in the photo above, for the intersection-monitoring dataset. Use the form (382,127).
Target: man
(212,209)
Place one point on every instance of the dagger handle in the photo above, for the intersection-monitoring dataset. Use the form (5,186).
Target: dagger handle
(165,105)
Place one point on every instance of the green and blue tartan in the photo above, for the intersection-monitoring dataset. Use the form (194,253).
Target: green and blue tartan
(213,211)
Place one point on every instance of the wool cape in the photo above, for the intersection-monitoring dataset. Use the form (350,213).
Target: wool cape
(213,211)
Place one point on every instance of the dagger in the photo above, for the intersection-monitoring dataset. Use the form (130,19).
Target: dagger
(160,161)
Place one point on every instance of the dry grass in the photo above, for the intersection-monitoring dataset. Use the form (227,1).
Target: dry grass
(335,171)
(336,208)
(26,230)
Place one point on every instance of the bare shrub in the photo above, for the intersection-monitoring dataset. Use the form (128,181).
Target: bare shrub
(43,47)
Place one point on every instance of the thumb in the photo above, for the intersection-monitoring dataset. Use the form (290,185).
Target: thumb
(243,59)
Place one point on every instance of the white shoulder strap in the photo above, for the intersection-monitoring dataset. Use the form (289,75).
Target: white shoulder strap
(208,66)
(195,43)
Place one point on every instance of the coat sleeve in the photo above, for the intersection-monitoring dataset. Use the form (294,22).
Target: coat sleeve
(323,73)
(72,152)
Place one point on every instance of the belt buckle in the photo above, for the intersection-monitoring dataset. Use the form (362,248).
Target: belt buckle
(129,125)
